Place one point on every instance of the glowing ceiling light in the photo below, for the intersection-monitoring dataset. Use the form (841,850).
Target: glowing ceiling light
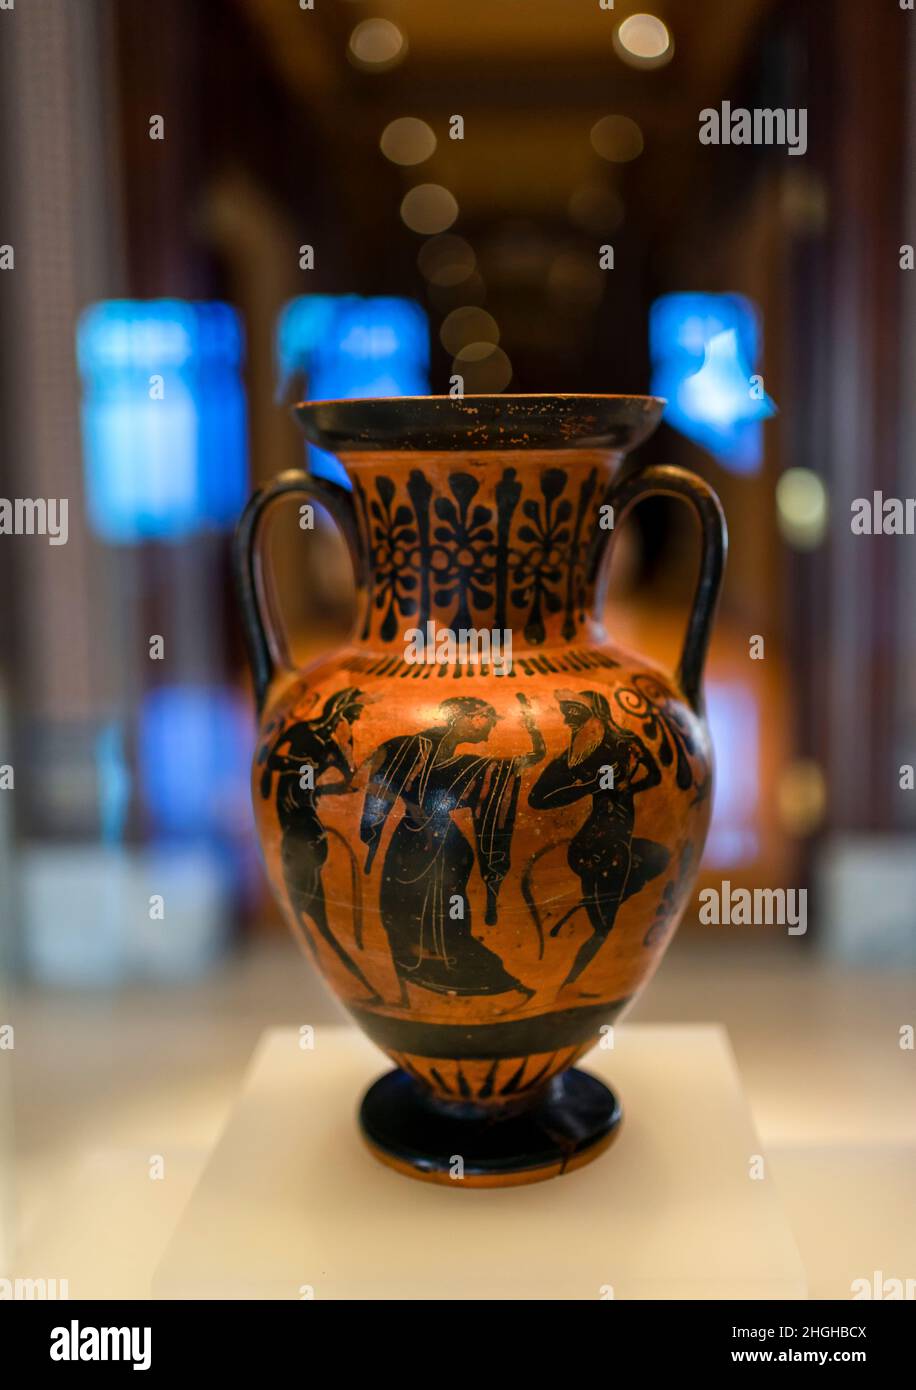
(429,208)
(467,325)
(446,260)
(377,44)
(644,41)
(407,140)
(801,508)
(483,367)
(617,138)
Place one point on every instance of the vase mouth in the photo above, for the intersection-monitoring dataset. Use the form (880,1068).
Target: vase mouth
(434,424)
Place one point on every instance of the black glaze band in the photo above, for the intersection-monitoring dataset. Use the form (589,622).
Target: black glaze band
(483,1041)
(469,424)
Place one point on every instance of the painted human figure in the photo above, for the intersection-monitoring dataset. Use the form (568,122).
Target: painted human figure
(428,863)
(301,755)
(611,765)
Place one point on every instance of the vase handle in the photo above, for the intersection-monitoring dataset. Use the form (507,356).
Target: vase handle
(265,639)
(678,482)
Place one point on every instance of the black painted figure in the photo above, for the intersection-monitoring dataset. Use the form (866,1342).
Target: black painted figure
(301,755)
(423,898)
(611,765)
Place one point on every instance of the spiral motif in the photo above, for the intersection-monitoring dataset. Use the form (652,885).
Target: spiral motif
(633,702)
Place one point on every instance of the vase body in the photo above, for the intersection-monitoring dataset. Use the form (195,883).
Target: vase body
(482,817)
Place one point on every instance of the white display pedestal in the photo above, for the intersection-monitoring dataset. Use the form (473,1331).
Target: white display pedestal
(292,1205)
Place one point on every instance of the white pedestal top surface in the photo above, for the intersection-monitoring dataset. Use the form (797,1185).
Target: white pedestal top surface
(292,1205)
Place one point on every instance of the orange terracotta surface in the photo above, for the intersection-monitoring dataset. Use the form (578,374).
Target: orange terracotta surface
(486,856)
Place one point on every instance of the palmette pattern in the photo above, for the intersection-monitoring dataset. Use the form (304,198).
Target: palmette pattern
(496,560)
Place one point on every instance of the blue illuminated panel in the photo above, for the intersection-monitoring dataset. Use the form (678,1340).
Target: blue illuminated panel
(704,350)
(300,328)
(163,418)
(734,720)
(194,744)
(348,347)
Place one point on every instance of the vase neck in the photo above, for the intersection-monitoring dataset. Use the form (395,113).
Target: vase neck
(496,542)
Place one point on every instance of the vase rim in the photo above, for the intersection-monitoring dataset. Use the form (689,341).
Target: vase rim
(434,424)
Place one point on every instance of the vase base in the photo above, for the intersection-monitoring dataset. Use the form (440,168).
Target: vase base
(572,1122)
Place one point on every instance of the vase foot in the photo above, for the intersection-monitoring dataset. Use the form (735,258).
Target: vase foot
(570,1123)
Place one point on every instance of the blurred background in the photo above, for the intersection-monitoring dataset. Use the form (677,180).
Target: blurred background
(213,209)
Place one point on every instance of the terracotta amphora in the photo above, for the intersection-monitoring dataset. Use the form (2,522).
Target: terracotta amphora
(483,818)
